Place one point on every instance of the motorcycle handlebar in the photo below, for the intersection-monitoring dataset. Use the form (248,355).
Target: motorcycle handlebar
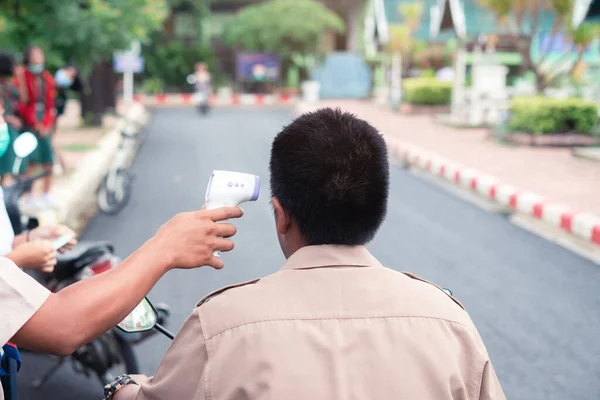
(34,178)
(23,185)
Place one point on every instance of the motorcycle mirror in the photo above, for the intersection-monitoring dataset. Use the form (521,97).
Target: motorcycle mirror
(143,318)
(25,144)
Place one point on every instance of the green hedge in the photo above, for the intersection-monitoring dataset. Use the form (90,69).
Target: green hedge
(427,91)
(541,115)
(171,63)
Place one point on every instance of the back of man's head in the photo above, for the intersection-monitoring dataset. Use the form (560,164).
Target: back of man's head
(330,172)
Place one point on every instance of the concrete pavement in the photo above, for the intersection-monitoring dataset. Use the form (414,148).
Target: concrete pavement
(535,304)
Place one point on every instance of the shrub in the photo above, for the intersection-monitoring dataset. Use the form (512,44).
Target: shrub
(152,86)
(172,62)
(542,115)
(427,91)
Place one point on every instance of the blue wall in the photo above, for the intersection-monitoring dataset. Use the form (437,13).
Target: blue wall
(344,75)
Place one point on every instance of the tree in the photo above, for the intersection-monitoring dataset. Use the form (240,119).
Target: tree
(521,20)
(80,31)
(289,28)
(351,12)
(86,32)
(401,36)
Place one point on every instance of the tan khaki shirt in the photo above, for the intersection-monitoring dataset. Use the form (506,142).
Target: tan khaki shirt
(333,323)
(20,297)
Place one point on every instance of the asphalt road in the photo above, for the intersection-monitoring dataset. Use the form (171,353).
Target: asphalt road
(536,305)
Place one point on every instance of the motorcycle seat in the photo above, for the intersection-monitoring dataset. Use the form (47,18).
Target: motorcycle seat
(83,254)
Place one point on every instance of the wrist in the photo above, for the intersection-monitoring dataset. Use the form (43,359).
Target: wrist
(119,384)
(159,252)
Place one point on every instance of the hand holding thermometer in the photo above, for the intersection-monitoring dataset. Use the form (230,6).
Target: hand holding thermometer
(230,189)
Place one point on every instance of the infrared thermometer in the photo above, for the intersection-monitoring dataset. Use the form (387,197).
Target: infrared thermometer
(230,189)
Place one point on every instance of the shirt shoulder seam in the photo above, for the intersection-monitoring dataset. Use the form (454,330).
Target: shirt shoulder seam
(208,355)
(329,319)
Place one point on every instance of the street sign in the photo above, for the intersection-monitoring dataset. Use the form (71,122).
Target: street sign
(128,62)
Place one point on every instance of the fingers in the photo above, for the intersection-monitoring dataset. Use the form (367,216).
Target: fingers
(225,230)
(49,264)
(223,245)
(216,263)
(220,214)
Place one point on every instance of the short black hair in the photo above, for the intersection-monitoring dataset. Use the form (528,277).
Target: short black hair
(6,64)
(330,172)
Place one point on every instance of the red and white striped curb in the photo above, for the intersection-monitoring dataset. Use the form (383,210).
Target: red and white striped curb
(235,99)
(582,225)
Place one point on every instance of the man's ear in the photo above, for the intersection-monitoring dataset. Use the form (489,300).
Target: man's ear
(283,222)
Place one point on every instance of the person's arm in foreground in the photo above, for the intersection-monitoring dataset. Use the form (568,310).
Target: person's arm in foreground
(79,313)
(50,233)
(173,379)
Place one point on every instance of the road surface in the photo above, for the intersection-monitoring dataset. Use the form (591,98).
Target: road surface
(536,305)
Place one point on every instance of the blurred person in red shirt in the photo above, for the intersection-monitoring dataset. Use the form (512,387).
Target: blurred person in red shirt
(38,113)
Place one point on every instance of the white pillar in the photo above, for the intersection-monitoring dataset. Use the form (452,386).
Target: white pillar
(128,87)
(396,80)
(459,81)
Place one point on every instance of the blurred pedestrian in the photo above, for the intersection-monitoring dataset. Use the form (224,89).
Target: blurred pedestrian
(11,128)
(203,78)
(66,80)
(38,116)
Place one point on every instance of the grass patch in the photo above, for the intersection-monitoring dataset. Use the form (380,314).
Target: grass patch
(80,147)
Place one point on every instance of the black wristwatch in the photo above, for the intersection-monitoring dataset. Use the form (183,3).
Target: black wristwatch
(117,384)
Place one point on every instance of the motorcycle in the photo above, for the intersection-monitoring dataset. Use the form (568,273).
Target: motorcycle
(88,258)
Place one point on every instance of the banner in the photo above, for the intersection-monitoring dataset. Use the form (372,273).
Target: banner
(257,67)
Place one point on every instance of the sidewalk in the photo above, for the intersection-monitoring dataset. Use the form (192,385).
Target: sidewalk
(555,174)
(73,140)
(86,153)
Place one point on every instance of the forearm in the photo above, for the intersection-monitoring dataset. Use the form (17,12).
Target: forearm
(87,309)
(23,94)
(19,240)
(16,258)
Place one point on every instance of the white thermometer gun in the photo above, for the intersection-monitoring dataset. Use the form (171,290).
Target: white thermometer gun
(230,189)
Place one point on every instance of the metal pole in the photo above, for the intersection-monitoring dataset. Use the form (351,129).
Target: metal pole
(128,87)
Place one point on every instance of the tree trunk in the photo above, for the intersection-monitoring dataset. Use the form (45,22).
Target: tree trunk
(540,82)
(353,24)
(99,93)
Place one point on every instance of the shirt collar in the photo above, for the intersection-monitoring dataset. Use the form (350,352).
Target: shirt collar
(330,256)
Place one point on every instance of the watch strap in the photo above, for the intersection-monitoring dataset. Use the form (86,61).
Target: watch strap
(117,384)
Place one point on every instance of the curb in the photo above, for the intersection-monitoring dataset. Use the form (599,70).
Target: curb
(186,99)
(590,154)
(582,225)
(77,194)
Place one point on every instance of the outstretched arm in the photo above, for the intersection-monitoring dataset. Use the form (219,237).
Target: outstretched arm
(85,310)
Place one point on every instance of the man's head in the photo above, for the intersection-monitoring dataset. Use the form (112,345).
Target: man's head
(329,180)
(34,59)
(201,67)
(6,64)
